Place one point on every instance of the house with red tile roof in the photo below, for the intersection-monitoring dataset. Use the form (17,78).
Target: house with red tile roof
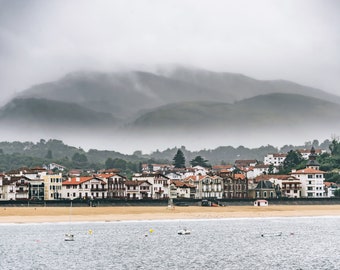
(235,185)
(115,184)
(84,188)
(16,188)
(290,186)
(312,179)
(160,184)
(330,188)
(180,189)
(137,190)
(207,186)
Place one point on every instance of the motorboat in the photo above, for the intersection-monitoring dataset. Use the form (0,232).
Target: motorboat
(69,237)
(183,232)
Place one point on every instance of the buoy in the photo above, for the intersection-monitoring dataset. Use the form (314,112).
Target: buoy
(151,230)
(90,231)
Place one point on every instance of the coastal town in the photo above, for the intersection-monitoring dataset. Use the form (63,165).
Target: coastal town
(245,179)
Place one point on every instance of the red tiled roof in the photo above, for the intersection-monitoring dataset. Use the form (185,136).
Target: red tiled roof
(222,167)
(194,177)
(239,175)
(77,180)
(178,183)
(307,171)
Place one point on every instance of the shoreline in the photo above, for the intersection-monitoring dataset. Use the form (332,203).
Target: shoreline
(146,213)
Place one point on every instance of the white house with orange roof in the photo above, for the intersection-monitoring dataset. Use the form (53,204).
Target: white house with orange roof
(312,179)
(137,190)
(312,182)
(160,184)
(276,159)
(305,152)
(115,185)
(84,187)
(180,189)
(196,170)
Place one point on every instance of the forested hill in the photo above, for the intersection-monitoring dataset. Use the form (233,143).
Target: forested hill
(17,154)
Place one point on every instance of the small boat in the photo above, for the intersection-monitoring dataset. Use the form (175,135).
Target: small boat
(183,232)
(271,234)
(69,237)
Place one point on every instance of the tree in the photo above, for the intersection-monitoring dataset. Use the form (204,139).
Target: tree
(337,192)
(335,147)
(271,168)
(109,164)
(199,161)
(179,159)
(292,160)
(79,159)
(49,154)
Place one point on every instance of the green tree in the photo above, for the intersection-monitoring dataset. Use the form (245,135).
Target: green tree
(271,168)
(335,147)
(80,160)
(49,154)
(337,193)
(293,159)
(199,161)
(179,159)
(120,164)
(109,164)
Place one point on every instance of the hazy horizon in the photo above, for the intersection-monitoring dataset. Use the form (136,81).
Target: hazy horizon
(42,41)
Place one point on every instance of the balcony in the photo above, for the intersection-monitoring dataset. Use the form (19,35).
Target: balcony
(21,191)
(98,189)
(19,184)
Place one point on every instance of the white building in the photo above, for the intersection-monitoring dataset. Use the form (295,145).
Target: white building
(276,159)
(312,182)
(84,187)
(312,179)
(160,184)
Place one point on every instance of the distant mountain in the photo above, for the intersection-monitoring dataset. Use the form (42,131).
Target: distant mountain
(129,94)
(234,87)
(178,105)
(51,113)
(271,111)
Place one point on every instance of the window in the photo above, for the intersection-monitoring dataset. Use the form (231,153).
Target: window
(310,176)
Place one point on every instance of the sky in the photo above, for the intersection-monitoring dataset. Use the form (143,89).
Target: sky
(295,40)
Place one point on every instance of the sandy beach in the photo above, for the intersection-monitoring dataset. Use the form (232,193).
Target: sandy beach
(92,214)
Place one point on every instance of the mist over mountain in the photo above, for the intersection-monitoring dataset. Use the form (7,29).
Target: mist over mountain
(140,110)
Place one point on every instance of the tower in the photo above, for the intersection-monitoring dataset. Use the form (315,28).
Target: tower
(312,162)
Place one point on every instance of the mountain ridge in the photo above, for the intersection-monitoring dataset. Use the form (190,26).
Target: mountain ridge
(150,109)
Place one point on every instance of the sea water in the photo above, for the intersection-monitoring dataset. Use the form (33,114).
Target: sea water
(256,243)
